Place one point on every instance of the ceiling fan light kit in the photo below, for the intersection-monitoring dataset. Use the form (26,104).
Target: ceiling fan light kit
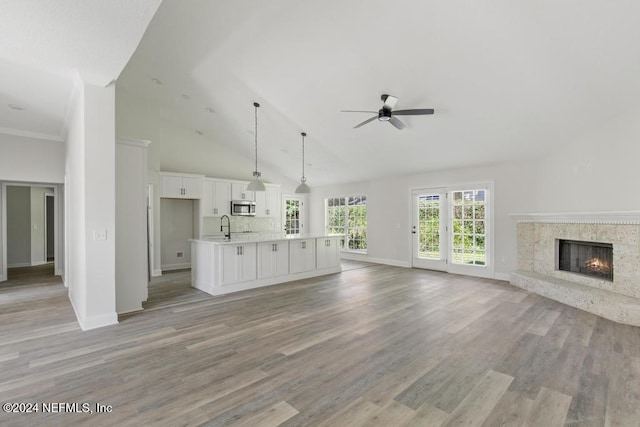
(303,188)
(386,113)
(256,184)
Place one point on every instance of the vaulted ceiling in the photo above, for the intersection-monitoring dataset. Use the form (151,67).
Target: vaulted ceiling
(46,44)
(508,79)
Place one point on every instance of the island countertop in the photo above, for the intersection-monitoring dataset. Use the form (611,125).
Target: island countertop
(257,238)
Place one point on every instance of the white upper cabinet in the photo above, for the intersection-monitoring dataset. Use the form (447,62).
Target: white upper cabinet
(268,202)
(239,191)
(216,198)
(181,186)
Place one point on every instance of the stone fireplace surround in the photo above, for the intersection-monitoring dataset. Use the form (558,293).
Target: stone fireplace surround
(537,261)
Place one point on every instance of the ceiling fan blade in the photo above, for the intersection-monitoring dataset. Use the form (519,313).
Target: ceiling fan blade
(397,123)
(365,122)
(389,102)
(358,111)
(417,112)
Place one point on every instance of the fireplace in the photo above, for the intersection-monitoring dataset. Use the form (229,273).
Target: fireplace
(587,258)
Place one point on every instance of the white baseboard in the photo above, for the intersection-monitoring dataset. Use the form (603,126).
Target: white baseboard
(93,322)
(502,276)
(180,266)
(27,264)
(156,273)
(19,264)
(366,258)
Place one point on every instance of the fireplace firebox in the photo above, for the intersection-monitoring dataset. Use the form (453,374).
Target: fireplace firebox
(592,259)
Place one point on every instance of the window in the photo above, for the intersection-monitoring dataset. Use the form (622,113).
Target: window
(469,227)
(347,217)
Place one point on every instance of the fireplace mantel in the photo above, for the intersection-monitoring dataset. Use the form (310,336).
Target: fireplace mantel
(615,218)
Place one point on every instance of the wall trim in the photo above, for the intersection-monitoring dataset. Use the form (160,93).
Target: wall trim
(29,134)
(94,322)
(156,273)
(20,264)
(179,266)
(619,217)
(502,276)
(366,258)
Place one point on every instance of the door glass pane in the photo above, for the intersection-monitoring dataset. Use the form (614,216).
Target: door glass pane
(468,239)
(292,217)
(429,226)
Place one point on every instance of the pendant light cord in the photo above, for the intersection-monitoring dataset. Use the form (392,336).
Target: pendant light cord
(304,179)
(255,104)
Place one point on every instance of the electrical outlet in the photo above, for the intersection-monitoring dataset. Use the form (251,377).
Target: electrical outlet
(99,235)
(179,254)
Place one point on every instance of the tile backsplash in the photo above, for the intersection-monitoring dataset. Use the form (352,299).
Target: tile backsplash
(239,224)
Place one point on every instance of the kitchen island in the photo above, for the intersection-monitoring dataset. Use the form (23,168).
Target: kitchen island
(221,266)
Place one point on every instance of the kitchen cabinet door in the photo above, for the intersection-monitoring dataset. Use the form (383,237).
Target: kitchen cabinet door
(302,255)
(179,186)
(222,198)
(216,198)
(239,191)
(268,202)
(238,263)
(273,259)
(327,252)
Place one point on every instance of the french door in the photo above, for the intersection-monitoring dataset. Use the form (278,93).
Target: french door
(293,214)
(429,232)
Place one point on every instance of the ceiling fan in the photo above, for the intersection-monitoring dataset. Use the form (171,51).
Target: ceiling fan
(387,114)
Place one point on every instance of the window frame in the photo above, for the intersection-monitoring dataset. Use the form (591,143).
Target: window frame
(345,235)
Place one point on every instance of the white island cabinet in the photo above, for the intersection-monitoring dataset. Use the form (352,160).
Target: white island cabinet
(327,252)
(221,267)
(238,263)
(273,259)
(302,255)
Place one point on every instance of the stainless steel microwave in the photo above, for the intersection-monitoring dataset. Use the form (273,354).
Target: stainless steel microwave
(243,207)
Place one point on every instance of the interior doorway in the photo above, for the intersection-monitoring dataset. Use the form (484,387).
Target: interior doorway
(30,227)
(49,223)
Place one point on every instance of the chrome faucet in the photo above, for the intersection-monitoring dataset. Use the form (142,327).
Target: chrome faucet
(227,235)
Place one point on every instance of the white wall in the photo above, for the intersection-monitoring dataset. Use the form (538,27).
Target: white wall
(131,225)
(18,226)
(177,229)
(389,209)
(75,230)
(90,203)
(31,160)
(596,172)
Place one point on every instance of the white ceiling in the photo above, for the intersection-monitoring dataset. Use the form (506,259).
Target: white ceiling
(508,79)
(45,44)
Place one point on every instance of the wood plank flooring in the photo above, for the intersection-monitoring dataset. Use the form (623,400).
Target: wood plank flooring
(373,346)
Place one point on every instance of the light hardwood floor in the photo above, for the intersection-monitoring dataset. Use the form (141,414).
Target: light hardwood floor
(372,346)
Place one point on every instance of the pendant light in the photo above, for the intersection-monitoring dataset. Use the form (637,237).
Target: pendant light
(303,188)
(256,184)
